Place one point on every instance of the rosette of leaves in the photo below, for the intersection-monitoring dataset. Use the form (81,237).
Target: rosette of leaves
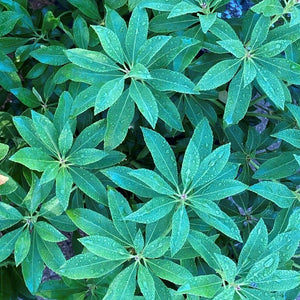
(261,271)
(258,63)
(28,232)
(59,157)
(120,246)
(205,177)
(130,59)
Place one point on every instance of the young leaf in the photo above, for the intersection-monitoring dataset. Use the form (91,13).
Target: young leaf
(162,155)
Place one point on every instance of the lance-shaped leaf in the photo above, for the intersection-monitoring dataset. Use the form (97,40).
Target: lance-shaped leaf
(291,136)
(110,43)
(235,47)
(87,265)
(48,233)
(274,191)
(157,248)
(124,284)
(64,182)
(153,180)
(9,216)
(22,246)
(33,158)
(105,247)
(7,243)
(180,229)
(153,210)
(183,8)
(119,209)
(146,283)
(219,74)
(204,286)
(162,155)
(145,101)
(260,32)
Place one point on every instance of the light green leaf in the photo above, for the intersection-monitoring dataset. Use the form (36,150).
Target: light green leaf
(108,94)
(139,71)
(249,72)
(51,55)
(123,286)
(167,80)
(64,182)
(145,101)
(239,97)
(268,8)
(152,211)
(105,247)
(157,248)
(22,246)
(6,63)
(227,267)
(8,20)
(81,32)
(137,32)
(180,229)
(153,180)
(170,271)
(207,21)
(48,233)
(65,139)
(219,74)
(162,155)
(110,43)
(33,158)
(292,136)
(86,156)
(7,243)
(88,7)
(272,48)
(87,265)
(204,286)
(235,47)
(9,216)
(146,283)
(275,192)
(183,8)
(260,32)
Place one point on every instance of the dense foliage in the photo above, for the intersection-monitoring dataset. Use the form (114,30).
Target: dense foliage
(162,137)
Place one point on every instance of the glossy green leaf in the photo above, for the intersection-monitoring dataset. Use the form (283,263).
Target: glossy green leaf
(51,55)
(65,139)
(8,216)
(47,232)
(268,8)
(260,31)
(7,243)
(81,32)
(89,8)
(64,182)
(146,283)
(235,47)
(157,248)
(22,246)
(182,8)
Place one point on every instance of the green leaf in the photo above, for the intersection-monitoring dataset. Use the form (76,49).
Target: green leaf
(63,111)
(65,139)
(226,294)
(148,50)
(204,286)
(255,245)
(263,268)
(110,43)
(26,97)
(227,267)
(277,167)
(167,80)
(220,189)
(223,30)
(86,156)
(48,233)
(235,47)
(9,216)
(89,184)
(219,74)
(64,182)
(145,101)
(32,267)
(153,180)
(180,229)
(260,32)
(87,265)
(91,60)
(207,21)
(162,155)
(6,63)
(93,223)
(7,243)
(123,285)
(119,209)
(119,117)
(272,48)
(160,5)
(170,271)
(152,211)
(157,248)
(275,192)
(22,246)
(239,97)
(205,246)
(211,166)
(89,8)
(139,71)
(81,32)
(137,32)
(183,8)
(105,247)
(146,283)
(271,86)
(46,131)
(51,55)
(108,94)
(51,254)
(90,137)
(292,136)
(8,20)
(167,111)
(33,158)
(3,150)
(249,72)
(210,213)
(268,8)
